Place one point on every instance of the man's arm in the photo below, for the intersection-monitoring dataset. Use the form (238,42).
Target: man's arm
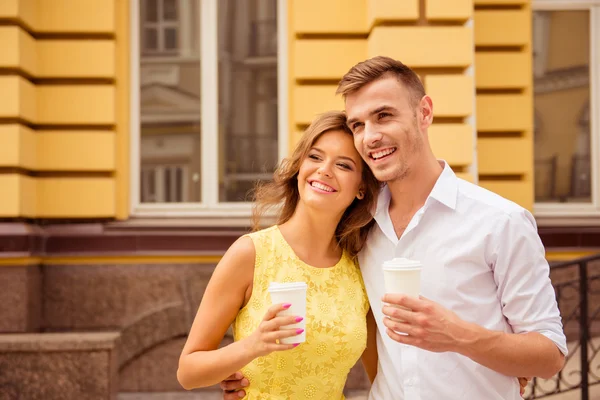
(431,327)
(369,357)
(521,273)
(233,386)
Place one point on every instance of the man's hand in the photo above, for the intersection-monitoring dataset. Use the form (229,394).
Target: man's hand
(427,325)
(232,385)
(523,382)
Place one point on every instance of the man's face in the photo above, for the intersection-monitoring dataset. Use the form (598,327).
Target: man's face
(385,122)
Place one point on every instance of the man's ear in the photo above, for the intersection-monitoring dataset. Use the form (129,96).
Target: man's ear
(426,111)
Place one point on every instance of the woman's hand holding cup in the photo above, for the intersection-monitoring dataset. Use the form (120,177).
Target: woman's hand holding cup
(266,338)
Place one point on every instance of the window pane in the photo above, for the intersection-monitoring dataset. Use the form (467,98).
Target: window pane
(170,10)
(150,39)
(151,7)
(247,96)
(170,123)
(561,41)
(170,39)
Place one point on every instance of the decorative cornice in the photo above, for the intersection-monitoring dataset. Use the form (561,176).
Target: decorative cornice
(562,79)
(18,240)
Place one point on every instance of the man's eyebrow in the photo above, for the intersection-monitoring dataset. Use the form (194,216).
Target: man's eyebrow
(375,111)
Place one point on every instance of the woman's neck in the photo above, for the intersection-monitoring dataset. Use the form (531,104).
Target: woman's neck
(312,236)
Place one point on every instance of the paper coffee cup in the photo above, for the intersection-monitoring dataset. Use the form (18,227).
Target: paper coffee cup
(402,276)
(293,293)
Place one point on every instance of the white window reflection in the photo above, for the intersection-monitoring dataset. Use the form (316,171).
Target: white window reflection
(561,46)
(171,106)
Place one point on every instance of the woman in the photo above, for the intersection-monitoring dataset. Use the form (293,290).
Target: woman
(327,194)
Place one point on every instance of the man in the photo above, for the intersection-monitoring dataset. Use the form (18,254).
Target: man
(488,311)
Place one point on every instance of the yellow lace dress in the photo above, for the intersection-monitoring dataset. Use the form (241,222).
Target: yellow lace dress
(336,330)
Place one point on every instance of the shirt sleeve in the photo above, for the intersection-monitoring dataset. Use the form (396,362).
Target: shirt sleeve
(522,275)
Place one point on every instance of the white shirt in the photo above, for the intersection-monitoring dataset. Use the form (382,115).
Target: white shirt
(483,259)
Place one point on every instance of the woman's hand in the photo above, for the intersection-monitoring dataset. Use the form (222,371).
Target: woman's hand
(265,338)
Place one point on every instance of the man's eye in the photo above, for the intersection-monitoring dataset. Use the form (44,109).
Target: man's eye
(383,115)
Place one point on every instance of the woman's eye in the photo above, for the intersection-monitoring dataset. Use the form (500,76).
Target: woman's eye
(345,166)
(313,156)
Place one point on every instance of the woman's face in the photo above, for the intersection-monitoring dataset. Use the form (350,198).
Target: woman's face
(330,177)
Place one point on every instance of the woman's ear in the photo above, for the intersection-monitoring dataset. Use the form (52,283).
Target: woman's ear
(361,194)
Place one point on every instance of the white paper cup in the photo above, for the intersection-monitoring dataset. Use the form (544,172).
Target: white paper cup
(402,276)
(293,293)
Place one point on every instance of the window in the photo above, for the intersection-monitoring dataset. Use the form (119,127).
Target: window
(207,123)
(160,26)
(566,38)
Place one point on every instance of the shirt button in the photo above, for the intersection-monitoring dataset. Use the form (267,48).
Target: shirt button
(410,382)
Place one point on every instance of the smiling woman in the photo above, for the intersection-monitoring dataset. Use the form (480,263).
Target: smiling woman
(327,194)
(285,187)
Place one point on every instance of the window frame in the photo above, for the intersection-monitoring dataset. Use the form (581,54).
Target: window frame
(160,26)
(209,207)
(592,209)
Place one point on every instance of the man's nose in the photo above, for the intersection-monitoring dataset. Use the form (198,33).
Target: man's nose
(372,135)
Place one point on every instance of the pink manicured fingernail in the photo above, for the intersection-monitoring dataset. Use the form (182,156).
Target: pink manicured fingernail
(296,344)
(298,319)
(299,331)
(287,305)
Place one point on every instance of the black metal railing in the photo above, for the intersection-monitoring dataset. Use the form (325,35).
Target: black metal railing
(577,286)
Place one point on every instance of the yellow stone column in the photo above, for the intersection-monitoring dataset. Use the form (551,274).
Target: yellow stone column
(434,37)
(504,98)
(58,118)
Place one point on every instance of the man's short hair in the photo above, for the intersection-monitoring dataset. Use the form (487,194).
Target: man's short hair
(378,67)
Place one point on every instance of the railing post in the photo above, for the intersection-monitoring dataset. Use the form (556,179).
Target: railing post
(584,330)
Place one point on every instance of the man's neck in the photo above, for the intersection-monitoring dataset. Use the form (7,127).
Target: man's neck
(410,193)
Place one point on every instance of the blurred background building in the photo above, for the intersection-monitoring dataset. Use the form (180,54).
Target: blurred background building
(132,130)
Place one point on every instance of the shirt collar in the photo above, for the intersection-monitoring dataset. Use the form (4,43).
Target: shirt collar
(444,191)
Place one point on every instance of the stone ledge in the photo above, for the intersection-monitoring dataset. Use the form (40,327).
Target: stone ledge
(59,366)
(45,342)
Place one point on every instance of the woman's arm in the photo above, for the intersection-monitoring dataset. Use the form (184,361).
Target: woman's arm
(201,362)
(369,356)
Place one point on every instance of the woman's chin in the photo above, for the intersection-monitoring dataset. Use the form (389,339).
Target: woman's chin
(324,204)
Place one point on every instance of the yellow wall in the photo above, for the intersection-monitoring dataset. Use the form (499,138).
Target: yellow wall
(63,128)
(504,98)
(65,90)
(428,36)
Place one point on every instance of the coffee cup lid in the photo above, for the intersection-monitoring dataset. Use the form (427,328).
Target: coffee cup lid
(279,287)
(401,264)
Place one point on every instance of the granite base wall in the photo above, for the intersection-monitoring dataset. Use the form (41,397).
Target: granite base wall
(151,306)
(20,296)
(59,366)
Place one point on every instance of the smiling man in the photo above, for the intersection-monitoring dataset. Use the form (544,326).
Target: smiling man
(488,311)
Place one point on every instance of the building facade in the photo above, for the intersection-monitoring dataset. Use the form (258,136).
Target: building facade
(131,132)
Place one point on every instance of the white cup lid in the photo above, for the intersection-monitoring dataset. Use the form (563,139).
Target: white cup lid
(280,287)
(401,264)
